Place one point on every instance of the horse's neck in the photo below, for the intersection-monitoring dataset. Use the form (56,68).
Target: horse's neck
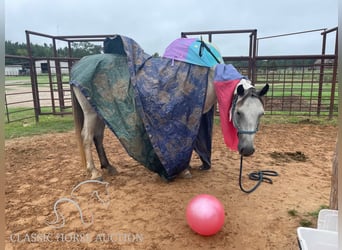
(210,98)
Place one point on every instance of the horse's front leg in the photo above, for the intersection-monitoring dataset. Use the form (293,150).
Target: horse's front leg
(98,141)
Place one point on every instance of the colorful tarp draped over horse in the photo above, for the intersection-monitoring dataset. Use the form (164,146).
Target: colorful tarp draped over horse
(194,51)
(153,105)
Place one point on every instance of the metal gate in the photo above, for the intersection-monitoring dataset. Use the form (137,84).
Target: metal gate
(50,75)
(300,85)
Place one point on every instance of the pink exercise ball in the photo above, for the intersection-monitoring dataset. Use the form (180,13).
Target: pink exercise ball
(205,214)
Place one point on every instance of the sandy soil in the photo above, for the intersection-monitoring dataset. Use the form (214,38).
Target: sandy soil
(140,211)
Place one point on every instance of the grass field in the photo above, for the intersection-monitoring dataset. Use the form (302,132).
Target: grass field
(29,127)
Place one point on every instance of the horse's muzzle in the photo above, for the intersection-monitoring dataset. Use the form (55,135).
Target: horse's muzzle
(246,151)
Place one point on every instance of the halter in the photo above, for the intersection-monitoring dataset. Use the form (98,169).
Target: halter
(240,131)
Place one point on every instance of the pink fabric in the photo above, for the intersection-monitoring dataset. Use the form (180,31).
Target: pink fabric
(225,92)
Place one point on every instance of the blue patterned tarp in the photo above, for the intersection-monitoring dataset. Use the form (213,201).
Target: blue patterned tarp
(153,105)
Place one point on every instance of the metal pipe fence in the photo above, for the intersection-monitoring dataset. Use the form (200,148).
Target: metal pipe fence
(300,85)
(43,92)
(19,102)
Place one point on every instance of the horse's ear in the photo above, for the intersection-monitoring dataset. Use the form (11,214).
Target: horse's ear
(240,90)
(264,90)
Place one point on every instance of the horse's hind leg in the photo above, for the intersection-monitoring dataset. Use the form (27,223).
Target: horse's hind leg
(86,126)
(98,141)
(88,132)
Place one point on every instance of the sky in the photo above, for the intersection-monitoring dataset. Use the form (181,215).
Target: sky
(154,24)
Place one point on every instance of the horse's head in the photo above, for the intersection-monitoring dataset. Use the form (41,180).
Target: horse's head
(246,112)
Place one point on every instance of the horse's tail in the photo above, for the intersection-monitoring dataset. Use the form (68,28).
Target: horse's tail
(78,121)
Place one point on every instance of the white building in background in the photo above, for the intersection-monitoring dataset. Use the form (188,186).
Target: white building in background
(42,67)
(12,70)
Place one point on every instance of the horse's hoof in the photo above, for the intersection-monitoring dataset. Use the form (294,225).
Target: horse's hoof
(96,176)
(186,174)
(164,179)
(204,167)
(99,178)
(112,171)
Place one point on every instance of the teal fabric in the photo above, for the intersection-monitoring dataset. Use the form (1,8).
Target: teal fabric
(193,51)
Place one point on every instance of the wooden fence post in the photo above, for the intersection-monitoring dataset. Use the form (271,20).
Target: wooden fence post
(333,192)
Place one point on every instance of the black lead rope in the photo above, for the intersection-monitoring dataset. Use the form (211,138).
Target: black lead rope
(256,176)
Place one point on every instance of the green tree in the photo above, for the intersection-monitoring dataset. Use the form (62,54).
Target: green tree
(85,48)
(79,49)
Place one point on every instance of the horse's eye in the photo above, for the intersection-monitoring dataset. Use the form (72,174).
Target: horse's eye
(238,113)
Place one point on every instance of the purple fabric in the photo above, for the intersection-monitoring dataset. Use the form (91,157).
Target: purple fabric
(178,50)
(193,51)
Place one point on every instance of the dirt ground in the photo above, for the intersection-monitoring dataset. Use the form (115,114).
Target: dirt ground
(137,210)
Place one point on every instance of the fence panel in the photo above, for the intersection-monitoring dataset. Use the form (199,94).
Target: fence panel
(299,85)
(51,81)
(19,101)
